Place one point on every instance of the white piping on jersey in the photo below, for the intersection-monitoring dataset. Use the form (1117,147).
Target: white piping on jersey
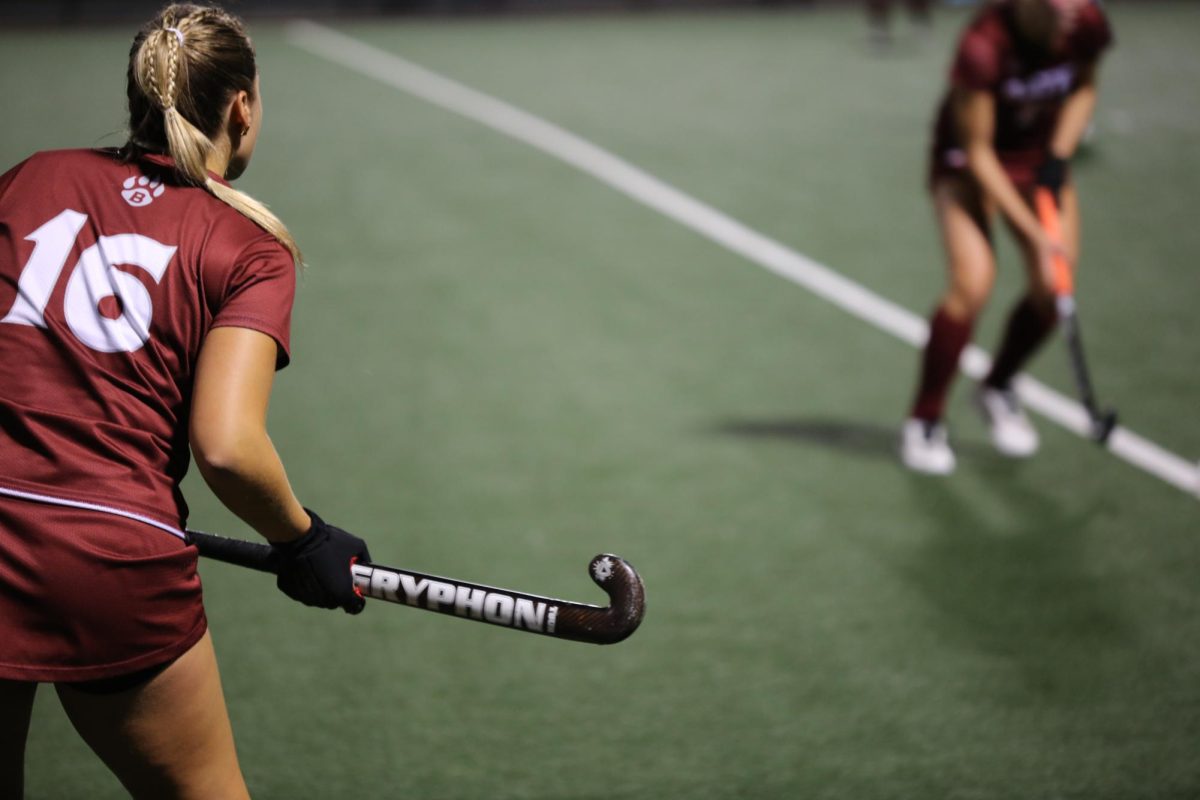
(61,501)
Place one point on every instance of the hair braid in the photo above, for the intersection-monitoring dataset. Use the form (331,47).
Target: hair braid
(212,44)
(172,67)
(151,75)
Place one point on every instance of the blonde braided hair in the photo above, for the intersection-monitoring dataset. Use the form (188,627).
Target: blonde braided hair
(184,66)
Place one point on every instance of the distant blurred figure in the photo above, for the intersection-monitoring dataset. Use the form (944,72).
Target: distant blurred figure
(879,19)
(1022,91)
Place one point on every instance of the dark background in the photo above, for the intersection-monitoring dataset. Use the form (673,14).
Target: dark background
(75,12)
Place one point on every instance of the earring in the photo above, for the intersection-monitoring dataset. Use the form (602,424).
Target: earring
(245,130)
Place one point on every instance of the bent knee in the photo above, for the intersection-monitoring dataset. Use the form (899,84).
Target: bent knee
(965,304)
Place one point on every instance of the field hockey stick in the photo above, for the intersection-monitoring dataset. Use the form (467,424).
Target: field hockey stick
(1102,422)
(532,613)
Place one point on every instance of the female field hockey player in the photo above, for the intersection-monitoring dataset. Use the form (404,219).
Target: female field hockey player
(145,308)
(1022,90)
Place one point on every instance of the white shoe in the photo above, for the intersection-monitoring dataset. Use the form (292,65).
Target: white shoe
(1012,432)
(925,447)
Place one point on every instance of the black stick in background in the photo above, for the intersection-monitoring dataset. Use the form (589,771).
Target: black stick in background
(532,613)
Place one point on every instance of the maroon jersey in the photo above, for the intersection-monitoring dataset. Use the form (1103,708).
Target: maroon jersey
(1029,85)
(111,275)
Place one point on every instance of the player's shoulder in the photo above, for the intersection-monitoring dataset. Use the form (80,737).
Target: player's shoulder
(231,238)
(1092,30)
(238,234)
(239,240)
(1093,13)
(1093,20)
(44,174)
(74,158)
(982,47)
(990,28)
(63,161)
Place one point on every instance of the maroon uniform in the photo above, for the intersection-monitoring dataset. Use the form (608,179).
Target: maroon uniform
(1029,86)
(111,275)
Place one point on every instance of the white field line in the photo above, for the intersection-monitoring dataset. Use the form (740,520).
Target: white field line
(705,220)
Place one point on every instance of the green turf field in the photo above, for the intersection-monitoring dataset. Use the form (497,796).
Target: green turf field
(502,367)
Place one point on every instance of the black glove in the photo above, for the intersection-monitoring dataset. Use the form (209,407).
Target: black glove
(315,569)
(1052,174)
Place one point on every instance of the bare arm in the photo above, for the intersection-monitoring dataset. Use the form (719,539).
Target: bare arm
(975,116)
(1075,115)
(228,431)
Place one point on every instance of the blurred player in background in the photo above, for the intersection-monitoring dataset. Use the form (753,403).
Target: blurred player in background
(145,307)
(879,19)
(1022,90)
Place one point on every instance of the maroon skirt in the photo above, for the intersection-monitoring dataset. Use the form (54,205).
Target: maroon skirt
(86,595)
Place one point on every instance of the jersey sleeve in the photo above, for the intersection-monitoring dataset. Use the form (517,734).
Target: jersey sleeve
(976,63)
(257,292)
(1093,34)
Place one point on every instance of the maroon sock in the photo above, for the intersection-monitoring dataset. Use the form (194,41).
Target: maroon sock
(1028,326)
(947,338)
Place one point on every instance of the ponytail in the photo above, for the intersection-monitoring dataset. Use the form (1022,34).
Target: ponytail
(194,59)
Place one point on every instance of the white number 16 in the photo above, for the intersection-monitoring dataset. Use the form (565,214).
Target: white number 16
(94,278)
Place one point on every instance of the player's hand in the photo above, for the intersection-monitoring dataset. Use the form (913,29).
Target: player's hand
(315,569)
(1052,174)
(1048,251)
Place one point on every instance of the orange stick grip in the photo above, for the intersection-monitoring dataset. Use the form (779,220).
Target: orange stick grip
(1047,211)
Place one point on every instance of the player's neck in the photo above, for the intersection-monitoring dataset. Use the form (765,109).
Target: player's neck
(219,157)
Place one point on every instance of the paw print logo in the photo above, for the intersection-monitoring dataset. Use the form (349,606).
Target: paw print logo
(141,191)
(603,569)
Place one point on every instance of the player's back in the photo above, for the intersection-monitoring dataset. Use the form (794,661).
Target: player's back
(111,274)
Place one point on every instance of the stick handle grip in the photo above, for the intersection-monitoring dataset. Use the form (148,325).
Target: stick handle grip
(1047,211)
(252,555)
